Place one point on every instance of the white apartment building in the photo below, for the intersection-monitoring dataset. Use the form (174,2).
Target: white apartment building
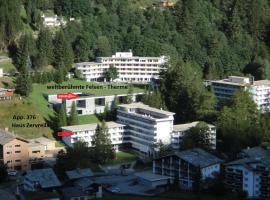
(259,90)
(52,21)
(180,130)
(249,174)
(145,126)
(86,133)
(130,68)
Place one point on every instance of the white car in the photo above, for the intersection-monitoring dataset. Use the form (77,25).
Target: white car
(12,172)
(115,190)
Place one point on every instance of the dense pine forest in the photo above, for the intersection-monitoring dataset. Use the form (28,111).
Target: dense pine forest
(219,37)
(205,39)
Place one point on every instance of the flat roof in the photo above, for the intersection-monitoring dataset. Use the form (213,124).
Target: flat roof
(146,107)
(228,82)
(184,127)
(45,177)
(86,127)
(262,82)
(150,176)
(79,173)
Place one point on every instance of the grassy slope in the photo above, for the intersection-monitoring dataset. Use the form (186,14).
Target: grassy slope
(8,109)
(122,157)
(37,105)
(41,103)
(7,66)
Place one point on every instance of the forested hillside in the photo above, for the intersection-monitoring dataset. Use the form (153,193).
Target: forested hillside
(218,37)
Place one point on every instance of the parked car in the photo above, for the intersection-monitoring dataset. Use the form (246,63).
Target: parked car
(115,190)
(12,172)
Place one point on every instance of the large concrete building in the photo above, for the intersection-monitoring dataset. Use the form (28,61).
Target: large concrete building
(179,132)
(130,68)
(139,127)
(145,126)
(86,133)
(259,90)
(88,104)
(186,165)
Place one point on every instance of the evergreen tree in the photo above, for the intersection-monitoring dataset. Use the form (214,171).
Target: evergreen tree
(102,147)
(129,98)
(185,94)
(111,74)
(81,49)
(59,75)
(23,83)
(63,54)
(26,50)
(73,118)
(62,116)
(45,47)
(103,47)
(197,137)
(237,124)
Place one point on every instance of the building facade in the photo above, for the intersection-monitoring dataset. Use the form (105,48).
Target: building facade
(145,126)
(130,68)
(179,131)
(14,151)
(259,90)
(187,165)
(251,175)
(86,133)
(6,94)
(87,104)
(53,21)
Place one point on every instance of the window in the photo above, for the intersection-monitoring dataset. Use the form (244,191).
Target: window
(17,145)
(17,160)
(8,152)
(17,151)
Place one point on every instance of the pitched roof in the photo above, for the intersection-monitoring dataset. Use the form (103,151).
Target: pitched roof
(45,177)
(198,157)
(6,137)
(256,152)
(246,162)
(79,173)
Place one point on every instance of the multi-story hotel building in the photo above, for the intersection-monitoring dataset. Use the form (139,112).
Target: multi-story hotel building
(259,90)
(145,126)
(186,165)
(251,175)
(130,68)
(179,132)
(86,133)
